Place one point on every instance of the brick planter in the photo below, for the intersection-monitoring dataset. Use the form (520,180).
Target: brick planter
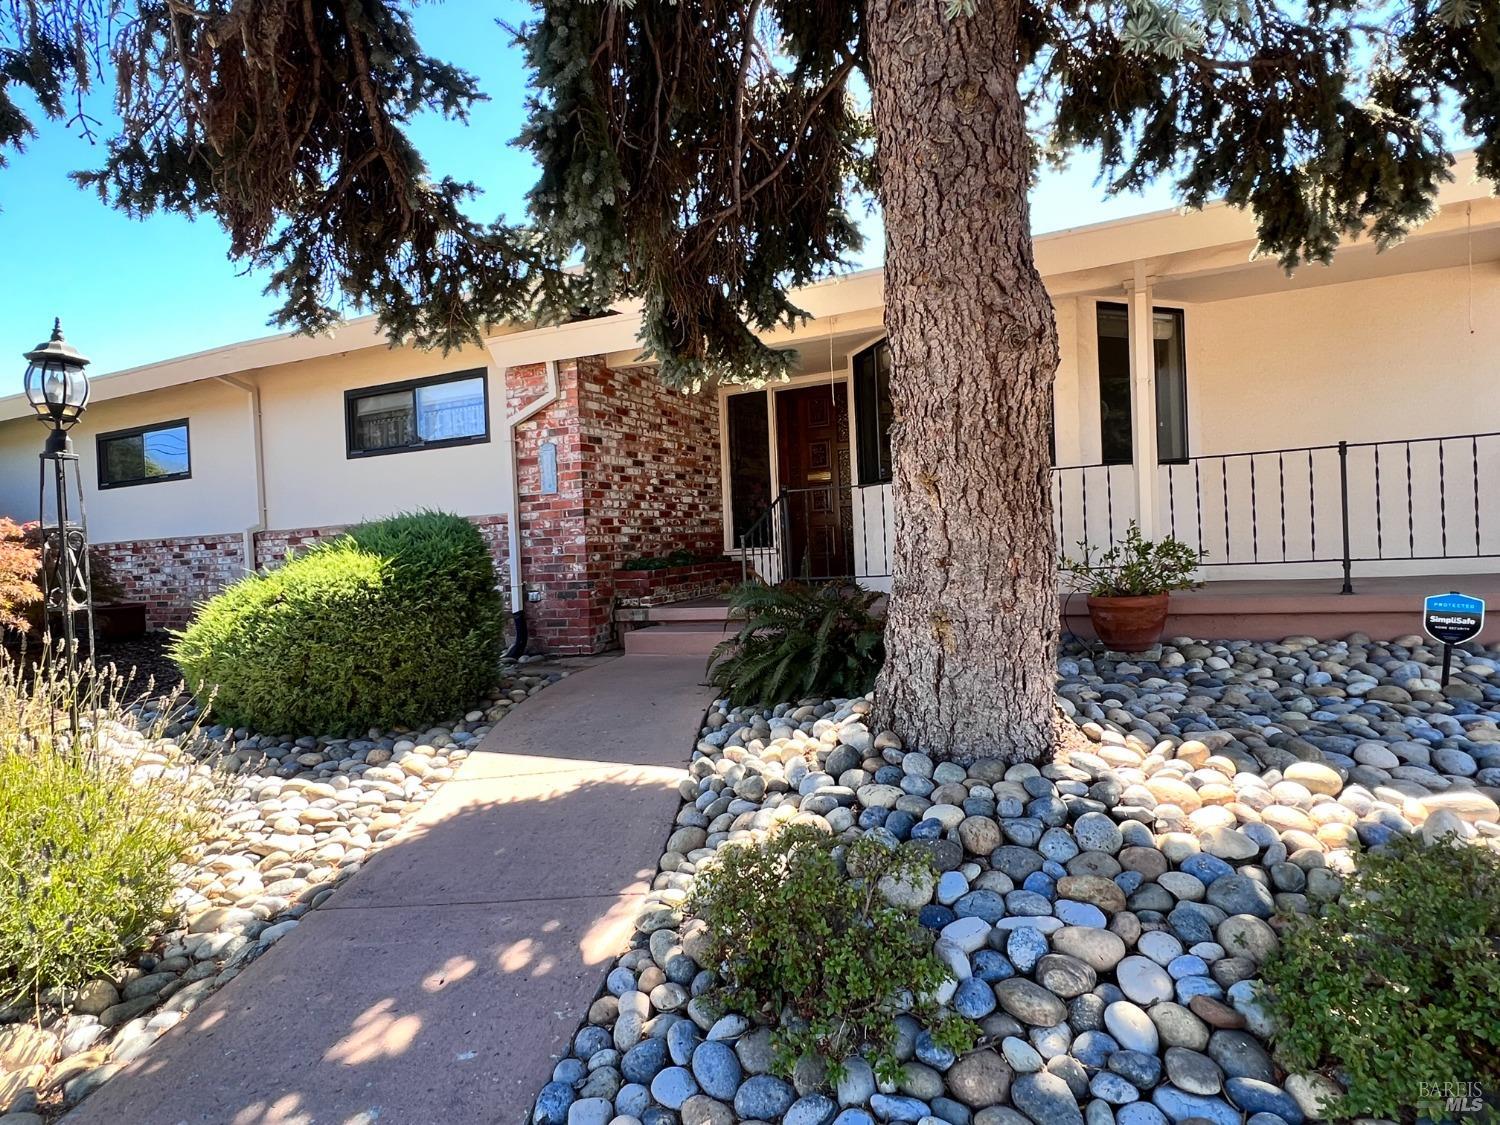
(674,583)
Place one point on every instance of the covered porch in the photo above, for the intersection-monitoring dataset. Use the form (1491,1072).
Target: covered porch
(1309,435)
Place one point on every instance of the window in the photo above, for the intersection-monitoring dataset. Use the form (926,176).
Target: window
(144,455)
(418,414)
(872,412)
(749,461)
(1115,440)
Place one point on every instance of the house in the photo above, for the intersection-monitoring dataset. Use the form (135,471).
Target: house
(1336,429)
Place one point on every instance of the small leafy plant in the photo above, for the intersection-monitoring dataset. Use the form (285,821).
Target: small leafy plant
(1396,987)
(798,641)
(89,838)
(792,934)
(1135,567)
(664,562)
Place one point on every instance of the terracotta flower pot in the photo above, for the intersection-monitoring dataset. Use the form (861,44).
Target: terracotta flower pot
(1129,624)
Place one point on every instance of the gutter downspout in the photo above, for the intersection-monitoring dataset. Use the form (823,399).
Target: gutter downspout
(248,535)
(513,520)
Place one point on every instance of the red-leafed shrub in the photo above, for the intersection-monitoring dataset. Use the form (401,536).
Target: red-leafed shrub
(18,570)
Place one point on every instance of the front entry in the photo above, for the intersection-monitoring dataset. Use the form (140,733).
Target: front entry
(812,453)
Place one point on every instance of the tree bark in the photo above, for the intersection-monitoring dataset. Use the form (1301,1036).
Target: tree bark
(972,625)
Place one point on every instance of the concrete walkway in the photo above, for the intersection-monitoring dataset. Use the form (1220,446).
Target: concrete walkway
(439,983)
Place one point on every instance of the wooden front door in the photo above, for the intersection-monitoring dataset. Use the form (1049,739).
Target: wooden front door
(812,434)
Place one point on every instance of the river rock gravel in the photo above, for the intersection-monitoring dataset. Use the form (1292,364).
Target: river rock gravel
(1103,915)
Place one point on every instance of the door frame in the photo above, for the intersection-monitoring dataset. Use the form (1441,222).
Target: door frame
(796,382)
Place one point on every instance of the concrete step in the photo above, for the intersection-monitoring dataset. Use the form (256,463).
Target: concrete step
(679,638)
(701,610)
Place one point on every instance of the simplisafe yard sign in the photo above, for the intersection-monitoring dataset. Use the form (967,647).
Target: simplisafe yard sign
(1452,618)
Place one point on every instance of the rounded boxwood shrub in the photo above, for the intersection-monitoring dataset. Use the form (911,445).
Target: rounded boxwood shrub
(396,623)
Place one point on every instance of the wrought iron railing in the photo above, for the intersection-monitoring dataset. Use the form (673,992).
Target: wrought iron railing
(1341,503)
(825,533)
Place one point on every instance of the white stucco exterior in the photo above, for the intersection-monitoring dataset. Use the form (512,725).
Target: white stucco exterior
(218,497)
(311,481)
(1377,348)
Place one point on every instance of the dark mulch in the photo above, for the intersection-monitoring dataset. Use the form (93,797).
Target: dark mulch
(143,659)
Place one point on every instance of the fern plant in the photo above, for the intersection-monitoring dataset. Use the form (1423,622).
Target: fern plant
(798,641)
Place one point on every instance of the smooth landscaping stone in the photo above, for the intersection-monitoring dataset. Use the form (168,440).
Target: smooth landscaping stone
(1143,980)
(1029,1002)
(896,1107)
(673,1086)
(717,1069)
(1045,1099)
(1131,1027)
(763,1097)
(1180,1106)
(1256,1096)
(979,1078)
(814,1109)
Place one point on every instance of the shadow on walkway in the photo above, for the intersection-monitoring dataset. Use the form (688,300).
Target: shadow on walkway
(440,983)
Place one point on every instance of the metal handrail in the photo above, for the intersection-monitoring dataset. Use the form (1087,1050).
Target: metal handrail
(1403,499)
(1249,507)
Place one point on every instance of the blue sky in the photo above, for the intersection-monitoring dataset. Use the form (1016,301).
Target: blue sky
(131,292)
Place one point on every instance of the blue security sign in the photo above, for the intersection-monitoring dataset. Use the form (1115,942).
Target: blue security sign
(1452,618)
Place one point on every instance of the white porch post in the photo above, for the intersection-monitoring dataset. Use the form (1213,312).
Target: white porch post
(1143,401)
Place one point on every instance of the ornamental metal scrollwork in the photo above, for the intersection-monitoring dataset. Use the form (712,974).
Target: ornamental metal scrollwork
(74,542)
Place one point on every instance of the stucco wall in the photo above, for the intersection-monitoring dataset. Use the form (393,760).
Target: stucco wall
(218,498)
(312,482)
(1379,360)
(1366,361)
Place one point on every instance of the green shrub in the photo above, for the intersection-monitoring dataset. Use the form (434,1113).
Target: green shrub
(1396,987)
(88,840)
(664,562)
(1135,567)
(798,641)
(397,623)
(791,932)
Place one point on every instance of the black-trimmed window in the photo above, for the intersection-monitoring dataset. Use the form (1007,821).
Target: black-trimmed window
(144,454)
(431,413)
(749,461)
(1168,343)
(872,412)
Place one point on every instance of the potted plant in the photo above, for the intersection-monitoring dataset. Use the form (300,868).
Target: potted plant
(1129,586)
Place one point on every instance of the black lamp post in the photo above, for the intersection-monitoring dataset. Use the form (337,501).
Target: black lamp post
(58,390)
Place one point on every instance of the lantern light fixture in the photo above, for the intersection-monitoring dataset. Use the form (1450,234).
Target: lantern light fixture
(56,385)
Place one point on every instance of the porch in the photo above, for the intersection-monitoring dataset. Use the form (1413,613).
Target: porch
(1341,424)
(1382,608)
(1349,511)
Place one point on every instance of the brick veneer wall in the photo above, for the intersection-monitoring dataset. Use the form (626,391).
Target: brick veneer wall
(637,475)
(654,482)
(674,583)
(556,559)
(271,547)
(171,576)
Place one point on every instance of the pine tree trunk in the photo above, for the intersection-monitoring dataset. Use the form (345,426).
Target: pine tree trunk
(973,617)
